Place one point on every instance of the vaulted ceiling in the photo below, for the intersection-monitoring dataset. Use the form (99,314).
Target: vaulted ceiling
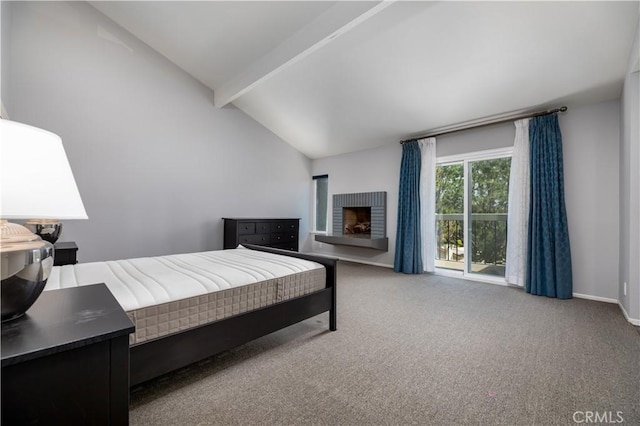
(336,77)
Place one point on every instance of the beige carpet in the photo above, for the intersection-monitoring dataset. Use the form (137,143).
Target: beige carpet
(416,350)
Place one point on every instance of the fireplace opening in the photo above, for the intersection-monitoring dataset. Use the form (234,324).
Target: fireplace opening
(356,221)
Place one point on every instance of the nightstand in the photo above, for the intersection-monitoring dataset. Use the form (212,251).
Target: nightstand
(66,361)
(65,253)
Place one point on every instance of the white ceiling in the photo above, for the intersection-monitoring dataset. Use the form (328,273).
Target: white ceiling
(336,77)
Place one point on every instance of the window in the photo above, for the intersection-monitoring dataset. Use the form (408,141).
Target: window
(321,194)
(472,194)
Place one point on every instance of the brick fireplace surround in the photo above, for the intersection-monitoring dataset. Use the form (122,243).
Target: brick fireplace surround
(377,239)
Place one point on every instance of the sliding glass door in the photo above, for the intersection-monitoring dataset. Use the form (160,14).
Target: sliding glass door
(450,216)
(471,212)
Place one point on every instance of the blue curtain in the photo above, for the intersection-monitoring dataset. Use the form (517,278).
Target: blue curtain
(549,254)
(408,257)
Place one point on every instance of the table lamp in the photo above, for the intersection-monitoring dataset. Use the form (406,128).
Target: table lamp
(36,182)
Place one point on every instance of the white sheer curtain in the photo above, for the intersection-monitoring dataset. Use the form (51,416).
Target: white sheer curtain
(518,218)
(428,202)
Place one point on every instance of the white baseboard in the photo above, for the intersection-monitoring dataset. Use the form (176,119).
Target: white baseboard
(631,320)
(596,298)
(608,300)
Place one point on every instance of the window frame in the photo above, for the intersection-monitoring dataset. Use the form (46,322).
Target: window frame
(315,230)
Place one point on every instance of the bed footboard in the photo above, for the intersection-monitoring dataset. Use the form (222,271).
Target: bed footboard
(160,356)
(330,264)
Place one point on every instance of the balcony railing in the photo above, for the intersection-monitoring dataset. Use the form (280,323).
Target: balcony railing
(488,247)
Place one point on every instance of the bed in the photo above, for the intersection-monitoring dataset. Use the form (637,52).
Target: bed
(191,306)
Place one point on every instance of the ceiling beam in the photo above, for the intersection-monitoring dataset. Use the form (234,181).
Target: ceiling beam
(335,21)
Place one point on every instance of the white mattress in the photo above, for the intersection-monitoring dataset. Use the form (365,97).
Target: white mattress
(166,294)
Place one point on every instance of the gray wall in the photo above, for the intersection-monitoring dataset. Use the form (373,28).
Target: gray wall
(630,187)
(591,154)
(480,139)
(157,165)
(5,45)
(371,170)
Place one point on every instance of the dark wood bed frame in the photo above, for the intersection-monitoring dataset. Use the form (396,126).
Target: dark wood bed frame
(160,356)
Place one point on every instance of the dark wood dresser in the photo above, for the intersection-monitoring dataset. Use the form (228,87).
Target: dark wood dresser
(66,361)
(277,233)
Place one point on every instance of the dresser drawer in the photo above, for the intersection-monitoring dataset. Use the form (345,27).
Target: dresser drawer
(246,228)
(258,239)
(285,237)
(289,226)
(285,246)
(263,227)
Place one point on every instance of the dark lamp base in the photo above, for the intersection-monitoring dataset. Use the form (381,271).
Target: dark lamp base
(18,295)
(47,229)
(26,264)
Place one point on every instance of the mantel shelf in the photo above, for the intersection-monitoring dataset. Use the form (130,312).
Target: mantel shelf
(355,241)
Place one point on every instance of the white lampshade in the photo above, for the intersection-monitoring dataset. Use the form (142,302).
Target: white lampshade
(36,181)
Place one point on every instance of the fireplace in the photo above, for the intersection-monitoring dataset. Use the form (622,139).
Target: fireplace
(363,214)
(356,220)
(359,219)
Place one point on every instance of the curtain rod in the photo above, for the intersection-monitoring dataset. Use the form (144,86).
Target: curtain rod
(486,123)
